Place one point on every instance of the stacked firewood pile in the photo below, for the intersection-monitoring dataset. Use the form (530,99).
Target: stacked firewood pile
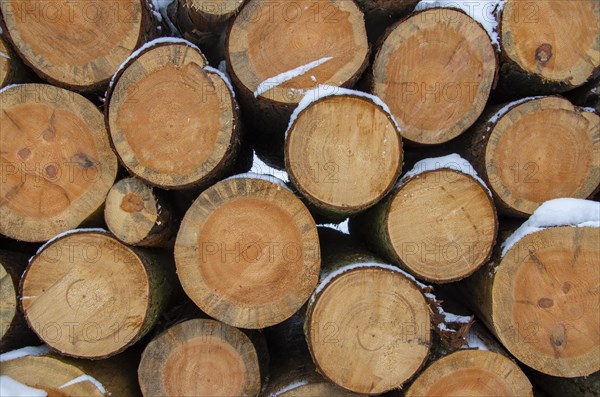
(303,198)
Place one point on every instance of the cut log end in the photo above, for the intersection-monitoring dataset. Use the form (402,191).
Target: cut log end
(215,10)
(8,301)
(533,38)
(76,45)
(57,162)
(318,43)
(5,63)
(440,88)
(369,343)
(541,150)
(52,376)
(200,358)
(88,295)
(472,373)
(441,225)
(248,253)
(136,216)
(545,301)
(344,153)
(165,81)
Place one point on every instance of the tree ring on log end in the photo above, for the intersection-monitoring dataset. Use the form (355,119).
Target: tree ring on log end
(57,164)
(369,342)
(442,225)
(344,153)
(80,44)
(200,357)
(541,150)
(471,373)
(435,71)
(545,307)
(247,253)
(87,295)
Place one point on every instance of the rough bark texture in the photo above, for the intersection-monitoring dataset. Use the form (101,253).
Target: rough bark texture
(14,332)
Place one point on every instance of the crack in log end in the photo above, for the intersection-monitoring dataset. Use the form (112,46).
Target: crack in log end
(83,161)
(543,54)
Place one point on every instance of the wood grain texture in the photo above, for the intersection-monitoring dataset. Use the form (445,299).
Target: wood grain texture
(540,300)
(88,295)
(247,252)
(166,106)
(57,162)
(343,153)
(435,71)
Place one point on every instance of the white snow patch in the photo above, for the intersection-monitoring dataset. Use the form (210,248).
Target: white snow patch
(24,352)
(281,78)
(482,11)
(454,318)
(291,386)
(340,227)
(509,106)
(223,76)
(252,175)
(558,212)
(589,109)
(452,162)
(4,55)
(12,388)
(151,43)
(259,167)
(159,9)
(323,91)
(9,87)
(27,298)
(69,232)
(475,342)
(368,265)
(85,378)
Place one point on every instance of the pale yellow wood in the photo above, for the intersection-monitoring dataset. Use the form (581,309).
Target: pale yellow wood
(247,252)
(269,38)
(200,357)
(8,301)
(56,159)
(78,44)
(471,373)
(368,330)
(441,225)
(542,38)
(344,153)
(435,71)
(5,60)
(541,150)
(544,303)
(87,295)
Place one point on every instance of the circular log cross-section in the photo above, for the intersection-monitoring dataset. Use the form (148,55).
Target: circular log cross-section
(368,329)
(472,373)
(435,77)
(57,164)
(534,43)
(247,252)
(543,302)
(327,41)
(88,295)
(136,216)
(440,226)
(343,153)
(5,63)
(537,151)
(79,45)
(201,357)
(200,17)
(173,123)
